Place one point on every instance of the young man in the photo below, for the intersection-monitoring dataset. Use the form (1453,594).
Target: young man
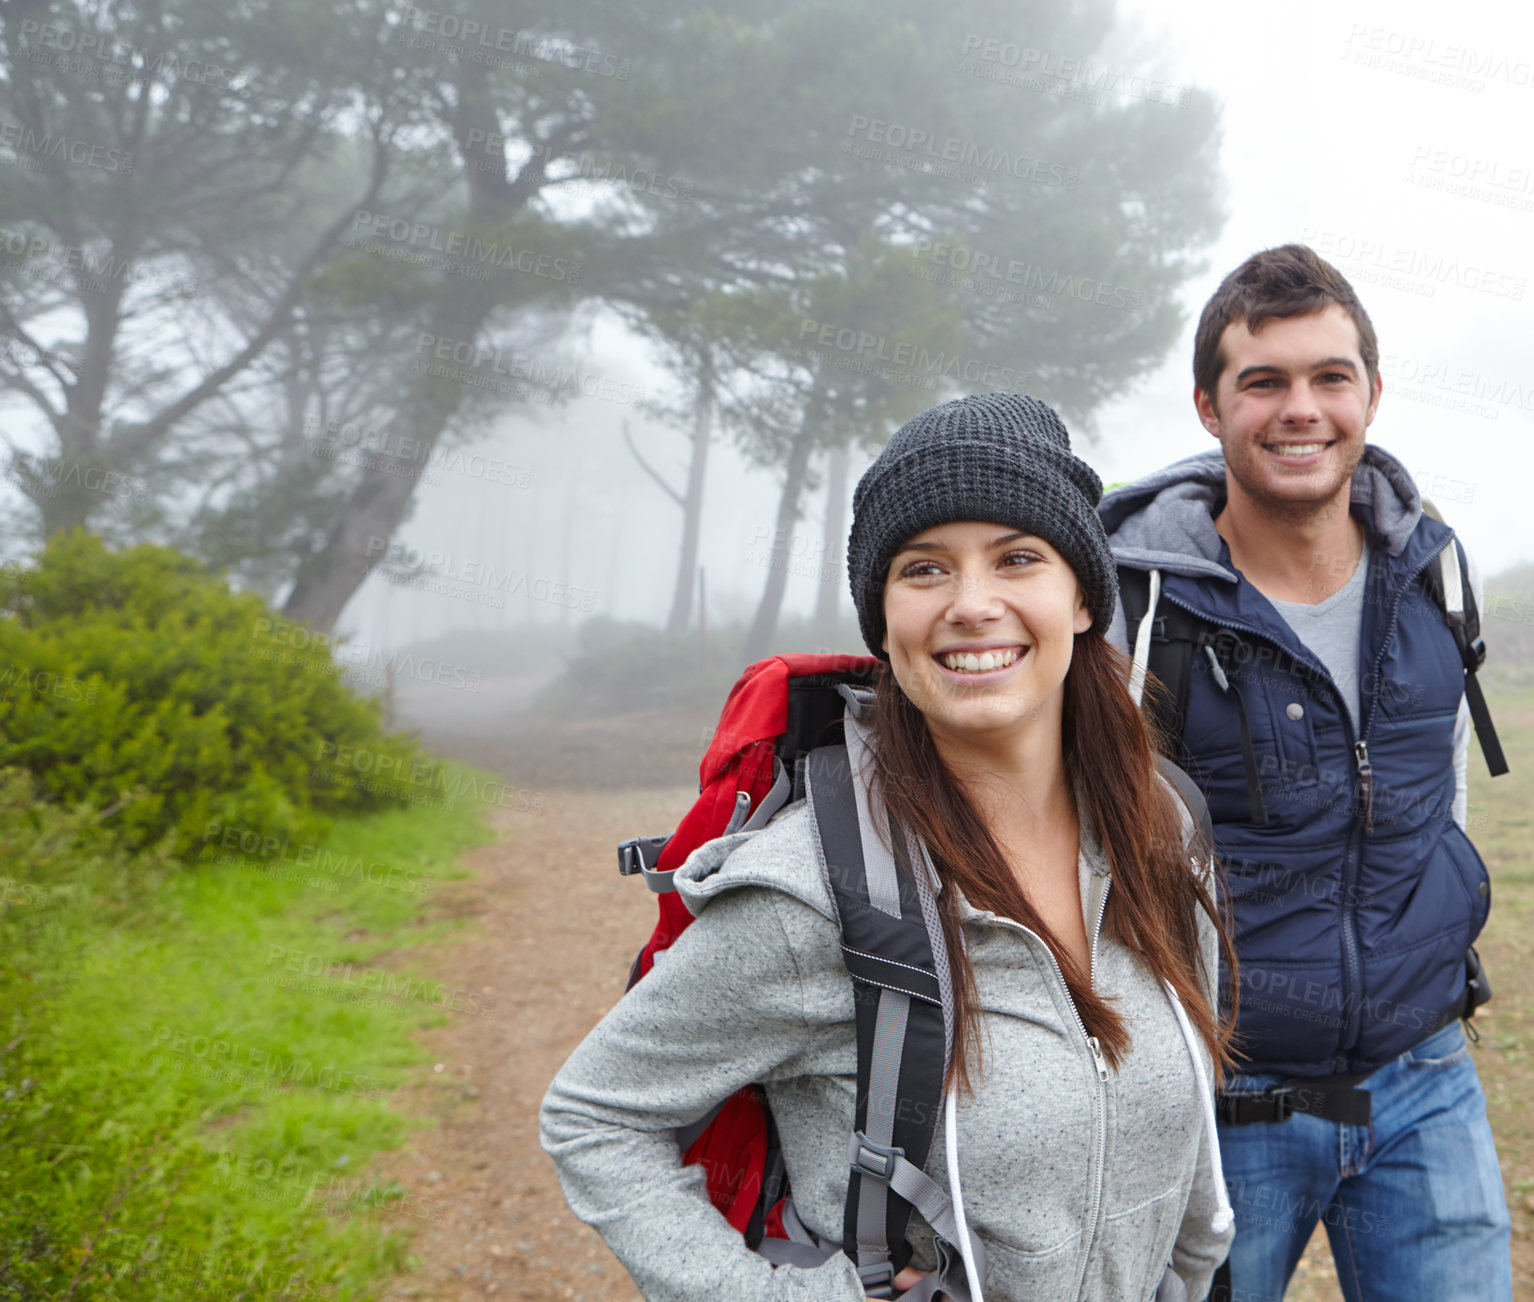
(1325,721)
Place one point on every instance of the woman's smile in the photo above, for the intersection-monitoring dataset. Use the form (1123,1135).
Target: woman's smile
(976,665)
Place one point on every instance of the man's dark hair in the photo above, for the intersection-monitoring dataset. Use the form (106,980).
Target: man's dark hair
(1290,280)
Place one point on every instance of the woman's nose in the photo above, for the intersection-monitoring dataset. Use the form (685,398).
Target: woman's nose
(974,599)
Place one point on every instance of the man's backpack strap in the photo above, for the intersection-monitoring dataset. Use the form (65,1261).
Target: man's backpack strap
(1165,638)
(1448,583)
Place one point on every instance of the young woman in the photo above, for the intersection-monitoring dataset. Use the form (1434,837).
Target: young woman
(1082,941)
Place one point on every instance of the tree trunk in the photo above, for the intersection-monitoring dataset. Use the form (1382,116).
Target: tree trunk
(359,539)
(378,505)
(829,572)
(765,624)
(692,505)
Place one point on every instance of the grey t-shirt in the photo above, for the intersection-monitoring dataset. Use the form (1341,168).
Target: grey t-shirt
(1331,629)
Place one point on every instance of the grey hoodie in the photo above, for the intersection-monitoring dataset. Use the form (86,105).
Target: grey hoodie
(1078,1188)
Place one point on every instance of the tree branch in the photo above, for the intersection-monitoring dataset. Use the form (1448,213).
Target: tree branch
(645,466)
(136,438)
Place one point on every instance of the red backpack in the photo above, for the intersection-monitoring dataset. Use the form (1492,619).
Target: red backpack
(779,710)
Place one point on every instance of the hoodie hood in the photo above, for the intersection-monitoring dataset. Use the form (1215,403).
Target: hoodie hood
(1166,520)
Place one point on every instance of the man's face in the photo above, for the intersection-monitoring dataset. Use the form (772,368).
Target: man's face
(1290,409)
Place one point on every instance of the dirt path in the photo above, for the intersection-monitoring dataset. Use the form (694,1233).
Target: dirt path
(557,929)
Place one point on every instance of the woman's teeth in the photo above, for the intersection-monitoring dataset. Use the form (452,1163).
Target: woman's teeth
(968,662)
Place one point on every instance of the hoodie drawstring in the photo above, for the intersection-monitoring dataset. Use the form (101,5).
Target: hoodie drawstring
(1223,1215)
(1143,640)
(956,1197)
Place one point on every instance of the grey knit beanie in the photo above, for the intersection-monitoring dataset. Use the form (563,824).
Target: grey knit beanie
(1000,458)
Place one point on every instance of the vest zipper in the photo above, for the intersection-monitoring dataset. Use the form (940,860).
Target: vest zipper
(1365,782)
(1352,968)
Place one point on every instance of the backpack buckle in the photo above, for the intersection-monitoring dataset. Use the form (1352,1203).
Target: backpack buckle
(639,853)
(878,1279)
(874,1160)
(1476,652)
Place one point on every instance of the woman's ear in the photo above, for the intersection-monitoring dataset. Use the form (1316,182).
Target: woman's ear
(1083,618)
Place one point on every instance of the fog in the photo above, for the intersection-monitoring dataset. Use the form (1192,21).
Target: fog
(1362,130)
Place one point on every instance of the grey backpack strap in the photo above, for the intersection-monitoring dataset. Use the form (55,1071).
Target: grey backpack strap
(1201,840)
(1448,583)
(892,944)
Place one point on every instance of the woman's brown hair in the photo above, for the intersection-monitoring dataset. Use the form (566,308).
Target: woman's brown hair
(1111,767)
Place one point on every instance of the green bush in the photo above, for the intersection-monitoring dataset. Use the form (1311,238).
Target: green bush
(138,671)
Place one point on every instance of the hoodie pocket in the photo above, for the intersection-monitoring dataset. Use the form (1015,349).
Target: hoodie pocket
(1136,1244)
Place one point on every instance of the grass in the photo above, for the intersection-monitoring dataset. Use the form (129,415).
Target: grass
(194,1062)
(1505,1054)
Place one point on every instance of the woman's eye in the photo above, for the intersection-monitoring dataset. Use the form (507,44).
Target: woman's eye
(919,569)
(1018,559)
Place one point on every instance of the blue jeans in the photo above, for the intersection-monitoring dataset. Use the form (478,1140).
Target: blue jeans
(1412,1203)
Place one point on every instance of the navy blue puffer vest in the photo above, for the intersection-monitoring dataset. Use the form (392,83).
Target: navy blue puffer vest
(1355,903)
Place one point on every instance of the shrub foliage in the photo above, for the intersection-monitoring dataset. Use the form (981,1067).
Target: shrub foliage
(140,672)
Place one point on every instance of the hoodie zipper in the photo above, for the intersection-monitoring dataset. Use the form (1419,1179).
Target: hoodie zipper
(1099,1066)
(1363,821)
